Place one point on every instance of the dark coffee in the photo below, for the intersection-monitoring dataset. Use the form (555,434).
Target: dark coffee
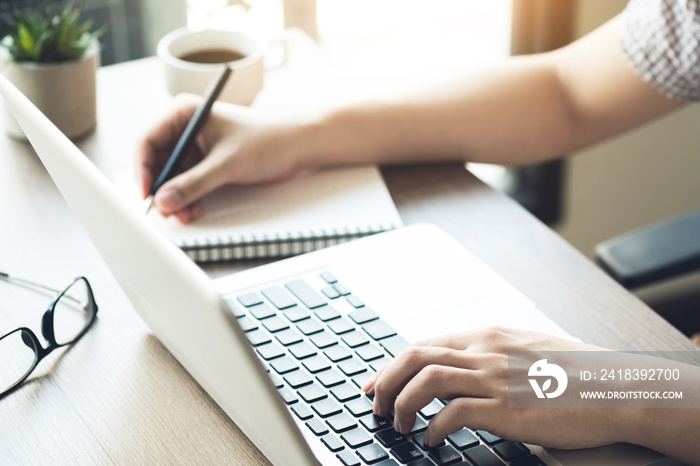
(213,56)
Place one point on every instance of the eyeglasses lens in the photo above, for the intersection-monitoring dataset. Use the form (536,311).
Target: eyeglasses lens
(72,313)
(17,358)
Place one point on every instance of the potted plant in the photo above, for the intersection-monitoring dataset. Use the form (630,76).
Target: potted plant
(52,56)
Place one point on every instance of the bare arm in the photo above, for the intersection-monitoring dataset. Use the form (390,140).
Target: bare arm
(526,110)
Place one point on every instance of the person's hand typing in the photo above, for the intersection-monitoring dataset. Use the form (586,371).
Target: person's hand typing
(471,369)
(236,145)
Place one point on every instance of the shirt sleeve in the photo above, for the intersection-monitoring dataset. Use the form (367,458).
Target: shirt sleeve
(661,40)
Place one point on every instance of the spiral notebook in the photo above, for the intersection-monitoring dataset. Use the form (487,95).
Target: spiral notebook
(308,212)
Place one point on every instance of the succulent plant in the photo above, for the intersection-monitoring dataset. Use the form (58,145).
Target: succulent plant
(49,32)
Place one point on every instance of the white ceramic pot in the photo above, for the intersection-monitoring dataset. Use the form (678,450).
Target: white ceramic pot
(65,92)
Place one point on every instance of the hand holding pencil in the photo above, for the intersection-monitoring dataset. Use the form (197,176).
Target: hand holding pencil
(188,136)
(236,145)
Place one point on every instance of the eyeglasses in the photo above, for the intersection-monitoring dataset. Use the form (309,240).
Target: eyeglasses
(67,319)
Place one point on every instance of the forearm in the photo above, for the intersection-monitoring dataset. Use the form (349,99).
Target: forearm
(671,427)
(496,115)
(526,110)
(674,432)
(510,114)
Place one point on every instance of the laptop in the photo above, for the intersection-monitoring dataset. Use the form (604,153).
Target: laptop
(283,348)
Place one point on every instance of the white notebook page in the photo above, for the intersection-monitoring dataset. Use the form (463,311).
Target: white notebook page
(323,201)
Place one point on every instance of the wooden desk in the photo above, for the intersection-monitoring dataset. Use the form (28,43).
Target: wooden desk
(119,397)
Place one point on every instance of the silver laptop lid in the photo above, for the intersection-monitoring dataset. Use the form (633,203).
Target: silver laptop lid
(172,295)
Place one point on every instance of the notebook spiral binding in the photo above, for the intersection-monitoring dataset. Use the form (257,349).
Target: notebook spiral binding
(231,249)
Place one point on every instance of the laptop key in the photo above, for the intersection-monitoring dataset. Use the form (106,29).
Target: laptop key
(391,462)
(389,437)
(301,411)
(360,379)
(488,437)
(323,340)
(275,324)
(418,440)
(297,379)
(419,426)
(446,455)
(351,367)
(337,353)
(330,378)
(305,294)
(531,460)
(328,277)
(327,313)
(356,438)
(278,297)
(340,326)
(309,327)
(482,456)
(355,339)
(375,423)
(262,311)
(369,352)
(427,462)
(510,451)
(249,299)
(371,454)
(235,309)
(348,458)
(432,409)
(247,324)
(379,363)
(362,316)
(463,439)
(354,301)
(378,329)
(288,396)
(312,393)
(288,337)
(332,442)
(284,365)
(295,314)
(330,292)
(258,337)
(345,392)
(270,351)
(359,407)
(316,364)
(326,408)
(341,422)
(302,350)
(394,345)
(276,381)
(407,452)
(342,289)
(317,426)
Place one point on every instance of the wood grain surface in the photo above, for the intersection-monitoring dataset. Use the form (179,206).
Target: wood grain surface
(119,397)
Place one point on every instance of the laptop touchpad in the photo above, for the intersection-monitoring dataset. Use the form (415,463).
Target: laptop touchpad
(500,308)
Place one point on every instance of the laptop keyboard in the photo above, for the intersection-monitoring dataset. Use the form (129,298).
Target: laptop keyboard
(320,342)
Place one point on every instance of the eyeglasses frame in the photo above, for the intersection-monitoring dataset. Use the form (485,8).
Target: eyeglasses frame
(47,327)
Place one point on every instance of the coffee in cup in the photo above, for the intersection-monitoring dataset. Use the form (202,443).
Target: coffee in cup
(213,56)
(193,59)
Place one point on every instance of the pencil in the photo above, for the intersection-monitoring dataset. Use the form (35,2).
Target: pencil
(189,135)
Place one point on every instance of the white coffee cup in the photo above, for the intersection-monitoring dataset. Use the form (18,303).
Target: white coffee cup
(195,78)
